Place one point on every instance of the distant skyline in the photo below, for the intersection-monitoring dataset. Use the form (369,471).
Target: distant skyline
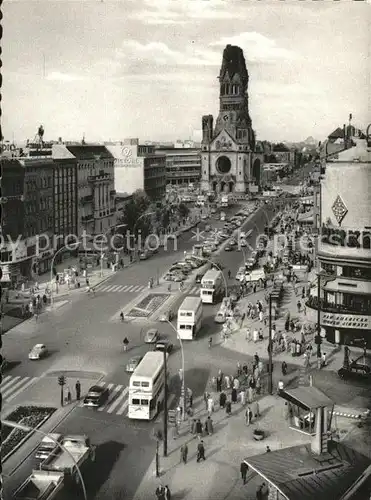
(148,69)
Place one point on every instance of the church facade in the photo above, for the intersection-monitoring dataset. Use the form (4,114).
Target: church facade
(230,160)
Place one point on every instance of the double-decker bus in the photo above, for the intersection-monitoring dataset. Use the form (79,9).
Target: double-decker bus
(212,287)
(147,387)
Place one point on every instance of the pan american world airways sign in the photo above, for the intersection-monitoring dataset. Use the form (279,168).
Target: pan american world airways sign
(346,321)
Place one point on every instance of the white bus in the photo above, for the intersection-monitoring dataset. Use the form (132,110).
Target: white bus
(212,287)
(224,202)
(147,387)
(189,318)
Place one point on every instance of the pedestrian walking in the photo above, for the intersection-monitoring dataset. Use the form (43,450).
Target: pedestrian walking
(239,369)
(324,359)
(234,395)
(210,405)
(299,306)
(248,334)
(160,492)
(259,494)
(248,416)
(242,398)
(227,381)
(256,359)
(199,429)
(284,368)
(222,399)
(258,385)
(200,451)
(268,450)
(78,390)
(219,380)
(261,316)
(256,409)
(69,395)
(122,317)
(167,493)
(236,384)
(184,453)
(280,387)
(209,426)
(206,398)
(228,408)
(243,469)
(193,427)
(250,394)
(126,343)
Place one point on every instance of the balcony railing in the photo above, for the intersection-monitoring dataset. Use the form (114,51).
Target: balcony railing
(326,306)
(86,199)
(87,218)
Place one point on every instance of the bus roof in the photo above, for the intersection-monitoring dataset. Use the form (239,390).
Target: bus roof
(190,303)
(211,274)
(150,364)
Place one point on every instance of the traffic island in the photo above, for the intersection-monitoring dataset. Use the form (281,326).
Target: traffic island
(31,416)
(147,306)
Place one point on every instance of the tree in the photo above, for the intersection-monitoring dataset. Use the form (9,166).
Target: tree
(165,220)
(135,209)
(183,210)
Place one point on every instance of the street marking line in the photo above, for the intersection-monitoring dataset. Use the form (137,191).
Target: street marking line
(9,383)
(13,387)
(109,387)
(116,288)
(123,289)
(137,288)
(110,288)
(5,379)
(23,388)
(130,288)
(112,397)
(123,408)
(102,288)
(118,400)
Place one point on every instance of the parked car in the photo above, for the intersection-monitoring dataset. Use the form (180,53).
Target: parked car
(199,278)
(133,363)
(37,352)
(355,371)
(151,336)
(48,446)
(96,396)
(240,273)
(164,345)
(220,317)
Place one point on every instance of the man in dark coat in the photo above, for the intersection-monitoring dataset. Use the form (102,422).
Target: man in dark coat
(234,395)
(243,469)
(199,428)
(222,399)
(184,453)
(160,492)
(200,451)
(78,390)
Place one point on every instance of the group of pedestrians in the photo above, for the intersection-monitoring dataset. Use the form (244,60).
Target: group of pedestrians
(200,455)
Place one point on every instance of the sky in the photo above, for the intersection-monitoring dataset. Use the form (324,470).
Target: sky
(148,68)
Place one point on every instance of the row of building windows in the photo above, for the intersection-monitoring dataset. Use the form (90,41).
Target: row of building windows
(39,183)
(33,207)
(229,89)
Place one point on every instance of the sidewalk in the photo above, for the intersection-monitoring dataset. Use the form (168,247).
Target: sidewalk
(219,476)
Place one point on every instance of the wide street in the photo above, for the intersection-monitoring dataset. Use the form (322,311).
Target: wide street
(84,344)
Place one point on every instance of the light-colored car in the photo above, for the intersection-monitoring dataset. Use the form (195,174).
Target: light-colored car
(37,352)
(144,255)
(133,363)
(220,317)
(151,336)
(48,446)
(240,273)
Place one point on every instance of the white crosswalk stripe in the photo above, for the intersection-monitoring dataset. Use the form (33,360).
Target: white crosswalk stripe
(119,288)
(117,401)
(12,386)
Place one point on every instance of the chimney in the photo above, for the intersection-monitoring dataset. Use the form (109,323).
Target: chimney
(207,128)
(320,439)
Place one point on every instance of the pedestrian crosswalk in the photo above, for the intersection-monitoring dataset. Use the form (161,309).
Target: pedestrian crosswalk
(117,402)
(12,386)
(119,288)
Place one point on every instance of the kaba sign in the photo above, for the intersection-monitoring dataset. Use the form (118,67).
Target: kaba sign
(346,237)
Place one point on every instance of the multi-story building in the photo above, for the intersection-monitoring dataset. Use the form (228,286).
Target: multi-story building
(12,216)
(96,212)
(230,160)
(137,166)
(64,196)
(344,246)
(183,165)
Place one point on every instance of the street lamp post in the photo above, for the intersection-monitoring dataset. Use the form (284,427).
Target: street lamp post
(183,373)
(26,428)
(270,349)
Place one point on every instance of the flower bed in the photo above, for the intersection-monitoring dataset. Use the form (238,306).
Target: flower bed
(31,416)
(148,305)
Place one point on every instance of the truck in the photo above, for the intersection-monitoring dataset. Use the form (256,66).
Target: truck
(73,453)
(48,446)
(189,318)
(212,287)
(40,485)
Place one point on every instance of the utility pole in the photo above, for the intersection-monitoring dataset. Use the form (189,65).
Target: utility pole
(319,340)
(165,404)
(270,349)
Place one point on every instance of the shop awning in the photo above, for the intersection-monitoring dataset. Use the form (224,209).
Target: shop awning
(348,286)
(307,398)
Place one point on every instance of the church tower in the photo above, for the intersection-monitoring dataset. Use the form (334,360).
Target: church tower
(228,163)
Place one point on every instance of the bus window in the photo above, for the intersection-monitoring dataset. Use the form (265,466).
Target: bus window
(145,384)
(135,402)
(144,402)
(136,384)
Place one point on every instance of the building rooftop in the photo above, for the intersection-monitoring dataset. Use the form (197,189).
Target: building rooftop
(89,151)
(60,152)
(299,474)
(308,398)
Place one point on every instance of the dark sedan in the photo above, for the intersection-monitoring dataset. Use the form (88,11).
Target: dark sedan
(96,396)
(164,345)
(355,371)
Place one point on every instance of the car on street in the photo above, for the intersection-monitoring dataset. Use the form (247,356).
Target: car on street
(48,446)
(173,276)
(144,255)
(167,316)
(355,371)
(220,317)
(240,273)
(230,247)
(199,278)
(151,336)
(37,352)
(96,396)
(164,345)
(133,363)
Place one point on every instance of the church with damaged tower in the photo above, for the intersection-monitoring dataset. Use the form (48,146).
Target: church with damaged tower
(231,162)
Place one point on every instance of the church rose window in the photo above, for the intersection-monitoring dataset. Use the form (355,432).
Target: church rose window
(223,165)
